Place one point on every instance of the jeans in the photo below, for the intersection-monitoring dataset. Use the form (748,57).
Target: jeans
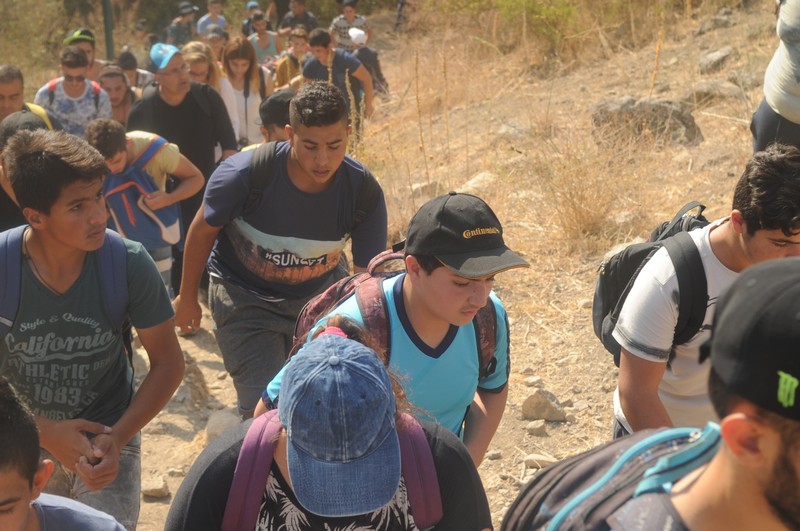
(120,498)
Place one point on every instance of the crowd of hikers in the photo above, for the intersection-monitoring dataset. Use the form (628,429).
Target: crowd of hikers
(210,167)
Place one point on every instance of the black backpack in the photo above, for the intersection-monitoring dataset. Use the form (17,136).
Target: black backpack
(580,493)
(617,274)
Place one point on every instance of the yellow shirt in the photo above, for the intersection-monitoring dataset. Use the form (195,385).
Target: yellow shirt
(164,163)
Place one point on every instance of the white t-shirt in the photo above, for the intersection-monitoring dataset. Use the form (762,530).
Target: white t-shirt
(646,328)
(248,113)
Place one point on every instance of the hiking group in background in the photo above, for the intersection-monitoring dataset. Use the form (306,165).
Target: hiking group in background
(376,392)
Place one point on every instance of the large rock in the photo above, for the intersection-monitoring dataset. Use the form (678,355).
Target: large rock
(709,90)
(539,460)
(543,405)
(723,19)
(479,184)
(155,486)
(713,61)
(624,118)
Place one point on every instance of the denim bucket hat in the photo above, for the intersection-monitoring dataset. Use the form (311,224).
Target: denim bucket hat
(338,409)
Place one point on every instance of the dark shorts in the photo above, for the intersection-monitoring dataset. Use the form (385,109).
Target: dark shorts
(768,127)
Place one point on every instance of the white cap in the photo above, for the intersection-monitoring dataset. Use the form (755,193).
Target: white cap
(358,36)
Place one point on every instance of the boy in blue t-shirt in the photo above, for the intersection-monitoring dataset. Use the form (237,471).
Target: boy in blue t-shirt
(453,251)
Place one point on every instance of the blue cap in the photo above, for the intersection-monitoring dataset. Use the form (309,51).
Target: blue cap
(338,409)
(252,4)
(161,54)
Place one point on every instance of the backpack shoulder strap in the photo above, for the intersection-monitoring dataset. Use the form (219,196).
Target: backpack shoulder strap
(485,324)
(149,152)
(692,286)
(367,198)
(372,302)
(419,473)
(673,467)
(691,205)
(51,91)
(40,111)
(10,273)
(251,473)
(96,92)
(260,173)
(113,262)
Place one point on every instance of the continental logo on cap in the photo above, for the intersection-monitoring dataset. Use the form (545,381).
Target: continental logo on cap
(469,233)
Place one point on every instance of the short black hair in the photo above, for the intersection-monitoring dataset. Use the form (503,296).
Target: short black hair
(9,73)
(319,37)
(127,61)
(40,164)
(107,136)
(349,3)
(317,104)
(768,192)
(73,57)
(724,401)
(19,436)
(428,263)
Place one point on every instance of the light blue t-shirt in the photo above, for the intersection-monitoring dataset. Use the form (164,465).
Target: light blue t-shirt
(205,21)
(441,381)
(57,513)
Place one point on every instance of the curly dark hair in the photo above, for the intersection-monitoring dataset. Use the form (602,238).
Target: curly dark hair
(317,104)
(768,192)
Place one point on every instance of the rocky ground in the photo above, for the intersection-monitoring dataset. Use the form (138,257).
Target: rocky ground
(522,125)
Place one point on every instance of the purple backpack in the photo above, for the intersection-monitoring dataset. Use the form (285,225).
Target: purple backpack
(255,461)
(368,288)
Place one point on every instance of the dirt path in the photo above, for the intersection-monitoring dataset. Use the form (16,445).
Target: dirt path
(549,305)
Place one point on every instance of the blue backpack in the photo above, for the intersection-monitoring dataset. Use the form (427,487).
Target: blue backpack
(130,216)
(113,264)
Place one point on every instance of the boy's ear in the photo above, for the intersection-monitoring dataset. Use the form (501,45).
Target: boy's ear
(412,265)
(737,222)
(34,217)
(41,477)
(748,439)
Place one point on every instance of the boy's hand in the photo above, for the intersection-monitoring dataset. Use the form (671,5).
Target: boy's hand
(188,314)
(158,199)
(102,469)
(67,440)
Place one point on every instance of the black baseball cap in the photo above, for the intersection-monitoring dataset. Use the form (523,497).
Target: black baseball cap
(463,233)
(755,340)
(275,109)
(23,120)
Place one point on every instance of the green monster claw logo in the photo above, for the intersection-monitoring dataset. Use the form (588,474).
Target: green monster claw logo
(787,387)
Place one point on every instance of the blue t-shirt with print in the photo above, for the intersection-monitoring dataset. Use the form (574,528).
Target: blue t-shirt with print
(440,380)
(290,242)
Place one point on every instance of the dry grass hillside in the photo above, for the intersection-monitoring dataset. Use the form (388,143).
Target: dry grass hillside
(515,125)
(463,108)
